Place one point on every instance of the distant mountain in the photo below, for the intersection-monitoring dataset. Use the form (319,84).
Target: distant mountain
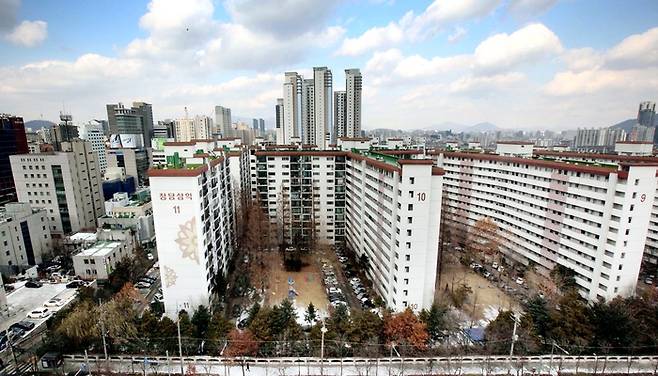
(626,125)
(456,127)
(35,125)
(481,127)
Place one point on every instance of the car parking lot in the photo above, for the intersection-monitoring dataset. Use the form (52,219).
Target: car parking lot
(32,305)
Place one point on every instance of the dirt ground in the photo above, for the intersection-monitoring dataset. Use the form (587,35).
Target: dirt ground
(307,283)
(486,298)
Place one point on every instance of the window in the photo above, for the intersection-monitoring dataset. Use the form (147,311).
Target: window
(407,257)
(411,180)
(410,219)
(405,292)
(406,269)
(408,232)
(406,281)
(411,194)
(410,207)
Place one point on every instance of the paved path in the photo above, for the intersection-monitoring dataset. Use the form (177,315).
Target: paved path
(472,365)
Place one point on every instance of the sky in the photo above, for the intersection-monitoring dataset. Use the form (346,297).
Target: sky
(520,64)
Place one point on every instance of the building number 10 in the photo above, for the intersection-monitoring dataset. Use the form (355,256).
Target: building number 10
(421,196)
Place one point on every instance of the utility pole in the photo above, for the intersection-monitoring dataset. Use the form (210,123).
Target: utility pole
(517,319)
(180,346)
(323,330)
(102,328)
(10,344)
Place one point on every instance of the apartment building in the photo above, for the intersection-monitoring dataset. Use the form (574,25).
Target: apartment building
(67,184)
(193,216)
(591,218)
(24,236)
(392,216)
(628,153)
(361,201)
(302,192)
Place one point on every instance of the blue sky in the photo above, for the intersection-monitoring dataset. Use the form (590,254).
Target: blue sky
(531,64)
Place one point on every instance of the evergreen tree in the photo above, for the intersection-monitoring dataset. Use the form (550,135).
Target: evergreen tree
(311,314)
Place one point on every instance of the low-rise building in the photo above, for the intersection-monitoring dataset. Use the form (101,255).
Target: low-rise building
(130,212)
(24,236)
(98,260)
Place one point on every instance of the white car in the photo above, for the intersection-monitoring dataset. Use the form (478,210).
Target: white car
(143,285)
(150,256)
(54,302)
(39,313)
(494,265)
(520,281)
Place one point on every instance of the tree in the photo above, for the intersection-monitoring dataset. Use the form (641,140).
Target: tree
(485,239)
(367,329)
(622,332)
(218,329)
(435,321)
(460,294)
(405,329)
(541,316)
(498,334)
(201,320)
(311,314)
(564,278)
(241,343)
(572,315)
(80,326)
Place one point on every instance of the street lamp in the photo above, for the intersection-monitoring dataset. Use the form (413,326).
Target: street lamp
(323,330)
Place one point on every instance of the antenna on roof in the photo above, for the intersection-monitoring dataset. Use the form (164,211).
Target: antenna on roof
(186,115)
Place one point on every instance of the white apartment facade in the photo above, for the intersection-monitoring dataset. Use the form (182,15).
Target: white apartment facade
(292,112)
(353,88)
(124,213)
(223,122)
(199,127)
(66,184)
(321,130)
(193,215)
(362,201)
(651,246)
(24,237)
(393,216)
(591,219)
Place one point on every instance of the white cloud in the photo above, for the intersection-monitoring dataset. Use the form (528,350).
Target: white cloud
(457,34)
(282,18)
(486,83)
(390,34)
(528,44)
(629,66)
(437,16)
(639,50)
(28,33)
(530,8)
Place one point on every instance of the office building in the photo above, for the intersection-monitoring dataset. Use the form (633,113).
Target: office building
(133,162)
(130,127)
(13,140)
(223,122)
(193,215)
(261,125)
(93,133)
(98,260)
(646,114)
(24,236)
(66,183)
(164,129)
(65,131)
(589,218)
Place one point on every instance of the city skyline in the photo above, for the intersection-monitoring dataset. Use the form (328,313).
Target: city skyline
(423,63)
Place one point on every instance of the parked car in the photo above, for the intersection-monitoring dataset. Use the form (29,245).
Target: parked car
(25,325)
(150,256)
(494,265)
(16,333)
(75,284)
(520,281)
(39,313)
(648,281)
(54,302)
(142,285)
(33,284)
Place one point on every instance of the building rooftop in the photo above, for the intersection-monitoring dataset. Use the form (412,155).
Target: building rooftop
(99,249)
(83,236)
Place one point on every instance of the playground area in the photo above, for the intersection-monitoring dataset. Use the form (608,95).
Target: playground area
(303,287)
